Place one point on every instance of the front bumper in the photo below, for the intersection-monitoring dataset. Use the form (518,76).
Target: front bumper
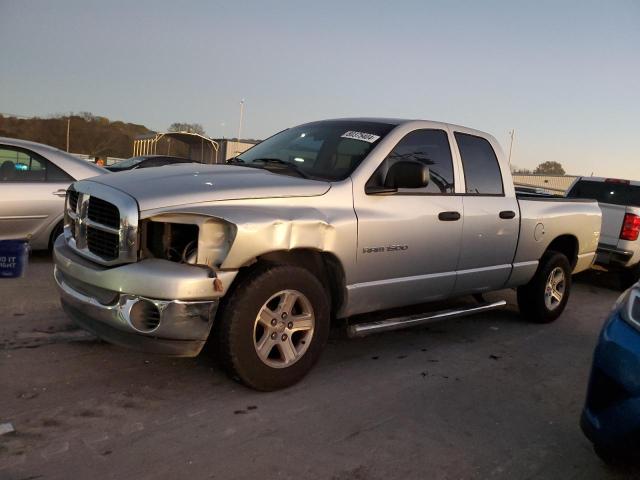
(115,303)
(611,416)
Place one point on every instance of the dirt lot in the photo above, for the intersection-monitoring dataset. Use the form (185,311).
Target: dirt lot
(484,397)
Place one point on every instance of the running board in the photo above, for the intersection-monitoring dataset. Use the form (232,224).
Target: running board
(363,329)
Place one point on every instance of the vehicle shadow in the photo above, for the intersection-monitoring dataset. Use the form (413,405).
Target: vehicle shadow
(41,256)
(599,278)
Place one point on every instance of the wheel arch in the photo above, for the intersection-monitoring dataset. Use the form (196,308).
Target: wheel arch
(52,233)
(567,245)
(324,265)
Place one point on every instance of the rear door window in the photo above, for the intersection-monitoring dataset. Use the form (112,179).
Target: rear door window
(23,166)
(481,168)
(615,193)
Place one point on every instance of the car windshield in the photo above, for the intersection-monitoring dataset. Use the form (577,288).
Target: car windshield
(328,150)
(128,163)
(612,192)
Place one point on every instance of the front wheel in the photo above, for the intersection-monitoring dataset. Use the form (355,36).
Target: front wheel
(273,327)
(55,233)
(545,297)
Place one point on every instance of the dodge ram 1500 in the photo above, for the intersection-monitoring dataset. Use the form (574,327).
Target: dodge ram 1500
(325,220)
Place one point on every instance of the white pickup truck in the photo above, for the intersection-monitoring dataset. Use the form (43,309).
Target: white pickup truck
(619,200)
(325,220)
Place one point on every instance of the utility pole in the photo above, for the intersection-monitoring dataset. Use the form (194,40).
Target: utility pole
(68,126)
(512,133)
(239,127)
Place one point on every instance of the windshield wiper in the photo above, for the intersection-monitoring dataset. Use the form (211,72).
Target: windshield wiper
(279,163)
(235,160)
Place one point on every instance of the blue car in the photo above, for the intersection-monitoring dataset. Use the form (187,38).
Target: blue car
(611,416)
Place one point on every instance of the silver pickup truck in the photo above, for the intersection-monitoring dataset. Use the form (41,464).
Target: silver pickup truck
(325,220)
(619,200)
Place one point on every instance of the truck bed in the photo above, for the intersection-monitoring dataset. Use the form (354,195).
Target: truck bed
(544,219)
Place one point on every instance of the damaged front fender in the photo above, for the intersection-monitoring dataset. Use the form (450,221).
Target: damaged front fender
(259,230)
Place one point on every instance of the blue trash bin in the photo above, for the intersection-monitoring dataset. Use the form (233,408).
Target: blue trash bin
(14,256)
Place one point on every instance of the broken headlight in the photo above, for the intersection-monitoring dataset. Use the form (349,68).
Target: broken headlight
(188,239)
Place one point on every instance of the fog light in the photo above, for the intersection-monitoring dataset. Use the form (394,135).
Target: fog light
(144,316)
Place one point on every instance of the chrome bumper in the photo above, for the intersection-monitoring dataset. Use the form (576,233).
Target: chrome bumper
(182,329)
(151,278)
(179,328)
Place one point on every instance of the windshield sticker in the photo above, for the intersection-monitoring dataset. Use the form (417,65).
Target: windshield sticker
(365,137)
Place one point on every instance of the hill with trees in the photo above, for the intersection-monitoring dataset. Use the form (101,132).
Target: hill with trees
(88,134)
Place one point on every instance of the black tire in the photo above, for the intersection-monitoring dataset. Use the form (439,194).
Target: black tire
(55,233)
(629,277)
(613,457)
(531,297)
(237,316)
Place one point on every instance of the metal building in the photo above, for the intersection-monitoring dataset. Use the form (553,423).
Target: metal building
(557,184)
(191,145)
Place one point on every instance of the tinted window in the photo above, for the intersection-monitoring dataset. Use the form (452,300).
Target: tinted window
(430,147)
(607,192)
(56,174)
(328,150)
(24,166)
(481,169)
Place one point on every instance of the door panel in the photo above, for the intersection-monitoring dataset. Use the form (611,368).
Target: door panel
(32,191)
(488,243)
(406,255)
(26,208)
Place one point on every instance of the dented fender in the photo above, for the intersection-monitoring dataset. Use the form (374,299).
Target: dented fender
(262,226)
(262,230)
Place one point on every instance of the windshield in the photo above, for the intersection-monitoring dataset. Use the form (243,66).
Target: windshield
(128,163)
(324,150)
(615,193)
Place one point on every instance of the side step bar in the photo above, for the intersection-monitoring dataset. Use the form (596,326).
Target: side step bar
(363,329)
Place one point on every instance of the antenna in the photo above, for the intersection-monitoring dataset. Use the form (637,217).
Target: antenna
(512,134)
(239,127)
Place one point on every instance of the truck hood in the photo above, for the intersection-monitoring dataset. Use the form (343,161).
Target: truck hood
(183,184)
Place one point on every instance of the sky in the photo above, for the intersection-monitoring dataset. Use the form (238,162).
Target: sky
(564,74)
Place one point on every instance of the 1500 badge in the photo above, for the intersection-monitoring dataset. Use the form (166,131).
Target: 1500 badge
(388,248)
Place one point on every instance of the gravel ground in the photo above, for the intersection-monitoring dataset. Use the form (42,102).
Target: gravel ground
(489,396)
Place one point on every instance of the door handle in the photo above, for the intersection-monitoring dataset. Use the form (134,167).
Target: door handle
(60,193)
(449,216)
(507,214)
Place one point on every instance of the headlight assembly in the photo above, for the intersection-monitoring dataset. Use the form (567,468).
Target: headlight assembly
(188,239)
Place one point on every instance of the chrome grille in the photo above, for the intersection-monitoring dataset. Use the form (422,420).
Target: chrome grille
(73,200)
(103,244)
(101,223)
(104,213)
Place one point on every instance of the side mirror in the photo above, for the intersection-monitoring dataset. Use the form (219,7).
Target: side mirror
(407,174)
(404,174)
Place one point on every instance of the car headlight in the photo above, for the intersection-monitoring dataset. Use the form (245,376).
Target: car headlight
(186,238)
(629,306)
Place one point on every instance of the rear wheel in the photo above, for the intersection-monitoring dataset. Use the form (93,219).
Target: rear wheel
(273,327)
(545,297)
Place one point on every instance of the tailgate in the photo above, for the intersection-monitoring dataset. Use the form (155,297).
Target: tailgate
(612,218)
